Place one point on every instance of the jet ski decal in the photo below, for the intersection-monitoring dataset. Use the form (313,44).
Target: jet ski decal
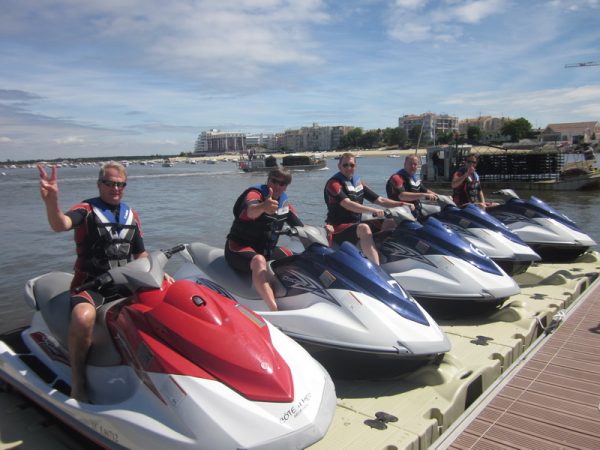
(395,251)
(507,218)
(294,280)
(214,287)
(50,348)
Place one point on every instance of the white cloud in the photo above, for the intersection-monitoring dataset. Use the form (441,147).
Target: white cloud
(414,21)
(69,140)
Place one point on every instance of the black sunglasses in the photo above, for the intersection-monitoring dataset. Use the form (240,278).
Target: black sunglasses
(113,184)
(278,182)
(348,165)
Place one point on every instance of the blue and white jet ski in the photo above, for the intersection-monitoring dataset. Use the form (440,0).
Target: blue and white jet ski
(434,264)
(329,300)
(485,232)
(550,233)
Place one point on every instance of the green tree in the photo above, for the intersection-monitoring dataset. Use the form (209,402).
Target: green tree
(414,133)
(370,139)
(351,138)
(394,136)
(517,129)
(474,134)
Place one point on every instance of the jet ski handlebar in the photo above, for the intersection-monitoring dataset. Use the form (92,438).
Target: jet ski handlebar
(142,272)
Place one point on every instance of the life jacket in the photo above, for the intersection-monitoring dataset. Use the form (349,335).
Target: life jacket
(110,245)
(409,183)
(354,190)
(468,191)
(261,233)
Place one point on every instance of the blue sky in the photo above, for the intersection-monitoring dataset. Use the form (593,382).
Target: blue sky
(141,77)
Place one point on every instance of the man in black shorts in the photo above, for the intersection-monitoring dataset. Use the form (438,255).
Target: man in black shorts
(107,234)
(259,213)
(344,195)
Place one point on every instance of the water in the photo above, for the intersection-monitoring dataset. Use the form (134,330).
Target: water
(178,204)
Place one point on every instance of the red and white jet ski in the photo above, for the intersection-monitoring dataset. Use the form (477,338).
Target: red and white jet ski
(174,366)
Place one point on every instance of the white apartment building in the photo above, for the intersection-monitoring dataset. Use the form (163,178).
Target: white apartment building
(433,124)
(215,141)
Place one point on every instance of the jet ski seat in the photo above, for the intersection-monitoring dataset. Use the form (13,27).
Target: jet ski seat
(211,260)
(49,293)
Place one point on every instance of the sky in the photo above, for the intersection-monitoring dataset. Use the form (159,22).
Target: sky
(101,78)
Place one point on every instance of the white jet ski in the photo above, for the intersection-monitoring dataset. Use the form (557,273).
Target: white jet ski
(550,233)
(336,303)
(175,366)
(485,232)
(434,264)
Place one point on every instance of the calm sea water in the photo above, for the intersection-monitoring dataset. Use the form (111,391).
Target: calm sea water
(178,204)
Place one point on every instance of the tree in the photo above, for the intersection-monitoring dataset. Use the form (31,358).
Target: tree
(414,133)
(394,136)
(474,134)
(370,139)
(351,138)
(517,129)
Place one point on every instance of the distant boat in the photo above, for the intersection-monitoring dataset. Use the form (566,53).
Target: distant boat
(259,162)
(262,163)
(168,163)
(543,169)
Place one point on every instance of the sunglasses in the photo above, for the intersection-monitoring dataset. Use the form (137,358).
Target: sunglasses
(278,182)
(348,165)
(471,162)
(113,184)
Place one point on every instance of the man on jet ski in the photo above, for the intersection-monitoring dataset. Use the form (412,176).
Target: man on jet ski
(344,195)
(259,213)
(404,185)
(107,234)
(466,185)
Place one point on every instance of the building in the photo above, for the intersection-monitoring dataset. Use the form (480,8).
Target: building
(487,124)
(313,138)
(215,141)
(429,124)
(259,140)
(573,133)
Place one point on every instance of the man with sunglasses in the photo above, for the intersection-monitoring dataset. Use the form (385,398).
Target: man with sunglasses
(259,213)
(344,195)
(466,185)
(107,234)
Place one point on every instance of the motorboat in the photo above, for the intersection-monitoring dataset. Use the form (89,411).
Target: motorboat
(173,366)
(549,232)
(484,231)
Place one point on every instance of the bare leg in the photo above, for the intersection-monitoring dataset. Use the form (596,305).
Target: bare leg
(258,265)
(83,317)
(365,240)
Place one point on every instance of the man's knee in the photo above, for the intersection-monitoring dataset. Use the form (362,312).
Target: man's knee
(363,231)
(83,316)
(258,263)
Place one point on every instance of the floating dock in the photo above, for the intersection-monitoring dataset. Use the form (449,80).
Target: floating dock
(542,345)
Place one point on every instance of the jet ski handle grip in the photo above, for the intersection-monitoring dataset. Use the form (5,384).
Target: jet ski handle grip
(386,213)
(96,283)
(171,251)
